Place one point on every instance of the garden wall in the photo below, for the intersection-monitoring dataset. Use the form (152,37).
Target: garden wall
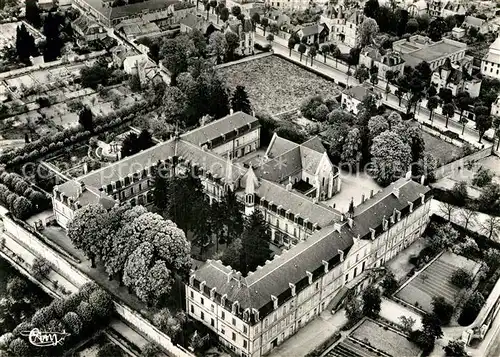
(65,269)
(460,163)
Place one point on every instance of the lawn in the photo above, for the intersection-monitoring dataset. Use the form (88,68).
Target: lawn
(276,85)
(384,339)
(440,149)
(433,281)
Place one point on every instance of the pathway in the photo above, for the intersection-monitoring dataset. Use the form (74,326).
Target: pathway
(311,335)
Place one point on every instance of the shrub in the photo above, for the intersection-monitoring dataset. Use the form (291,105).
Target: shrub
(461,278)
(84,310)
(40,268)
(471,308)
(42,316)
(455,349)
(482,177)
(24,326)
(101,303)
(442,309)
(5,340)
(19,347)
(110,349)
(150,349)
(17,288)
(73,322)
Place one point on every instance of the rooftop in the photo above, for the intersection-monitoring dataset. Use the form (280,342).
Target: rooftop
(130,9)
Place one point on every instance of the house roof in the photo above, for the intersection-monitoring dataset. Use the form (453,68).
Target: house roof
(130,9)
(225,126)
(358,92)
(474,21)
(312,30)
(84,23)
(255,291)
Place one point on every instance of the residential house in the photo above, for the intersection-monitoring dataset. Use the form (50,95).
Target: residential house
(197,21)
(245,33)
(482,26)
(490,65)
(120,53)
(417,9)
(452,8)
(256,313)
(88,29)
(352,97)
(456,79)
(495,107)
(315,33)
(417,49)
(457,33)
(352,38)
(389,61)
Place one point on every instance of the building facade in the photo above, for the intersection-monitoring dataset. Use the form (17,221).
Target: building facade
(254,314)
(490,65)
(389,61)
(457,80)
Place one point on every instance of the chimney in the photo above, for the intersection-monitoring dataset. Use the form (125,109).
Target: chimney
(231,111)
(309,277)
(411,206)
(292,287)
(229,276)
(337,227)
(349,221)
(422,180)
(422,198)
(341,253)
(395,191)
(372,231)
(363,198)
(275,301)
(371,193)
(325,264)
(289,184)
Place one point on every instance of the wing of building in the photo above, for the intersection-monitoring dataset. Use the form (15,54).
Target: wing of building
(326,252)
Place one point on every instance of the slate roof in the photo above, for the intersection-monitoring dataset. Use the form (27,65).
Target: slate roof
(312,30)
(315,144)
(130,9)
(358,92)
(297,203)
(215,129)
(473,21)
(255,290)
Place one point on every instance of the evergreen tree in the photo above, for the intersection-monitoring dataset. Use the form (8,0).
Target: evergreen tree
(33,13)
(371,302)
(52,34)
(240,101)
(255,243)
(25,44)
(86,119)
(232,218)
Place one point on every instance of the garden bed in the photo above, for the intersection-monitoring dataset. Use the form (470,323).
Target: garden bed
(444,152)
(276,85)
(385,339)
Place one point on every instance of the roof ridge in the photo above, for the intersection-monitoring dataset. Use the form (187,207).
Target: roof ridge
(383,195)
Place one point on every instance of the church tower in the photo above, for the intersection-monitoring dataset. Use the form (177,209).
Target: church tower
(250,184)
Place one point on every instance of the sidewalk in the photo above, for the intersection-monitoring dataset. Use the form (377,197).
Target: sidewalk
(312,335)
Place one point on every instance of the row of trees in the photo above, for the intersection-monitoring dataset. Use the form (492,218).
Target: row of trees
(79,315)
(46,144)
(142,249)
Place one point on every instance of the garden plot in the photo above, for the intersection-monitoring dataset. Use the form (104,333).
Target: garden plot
(434,281)
(8,34)
(440,149)
(384,339)
(276,85)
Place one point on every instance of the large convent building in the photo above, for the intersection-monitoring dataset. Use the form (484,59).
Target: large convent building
(327,251)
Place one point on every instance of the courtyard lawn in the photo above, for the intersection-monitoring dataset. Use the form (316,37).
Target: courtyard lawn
(433,281)
(440,149)
(276,85)
(385,339)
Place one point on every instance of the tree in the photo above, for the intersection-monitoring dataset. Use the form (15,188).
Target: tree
(461,278)
(21,207)
(321,112)
(367,31)
(471,308)
(490,198)
(407,324)
(292,41)
(255,243)
(231,255)
(175,53)
(448,112)
(490,227)
(110,349)
(240,100)
(412,25)
(312,53)
(444,237)
(460,193)
(19,348)
(150,349)
(483,120)
(352,307)
(264,23)
(377,125)
(73,322)
(351,150)
(371,9)
(53,44)
(232,43)
(169,323)
(302,49)
(442,309)
(87,230)
(389,283)
(86,119)
(101,303)
(155,285)
(255,19)
(85,312)
(371,301)
(325,50)
(455,348)
(432,326)
(390,157)
(42,316)
(217,45)
(361,73)
(40,268)
(96,75)
(25,44)
(224,14)
(437,28)
(17,288)
(467,216)
(492,258)
(335,51)
(33,13)
(236,11)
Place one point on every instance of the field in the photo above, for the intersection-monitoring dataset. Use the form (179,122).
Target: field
(433,281)
(440,149)
(276,85)
(371,339)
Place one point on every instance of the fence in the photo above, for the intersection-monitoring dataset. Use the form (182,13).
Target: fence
(35,246)
(460,163)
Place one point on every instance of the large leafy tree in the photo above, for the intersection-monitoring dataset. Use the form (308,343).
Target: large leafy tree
(217,45)
(240,100)
(175,53)
(390,157)
(87,230)
(155,285)
(442,309)
(367,31)
(351,150)
(371,301)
